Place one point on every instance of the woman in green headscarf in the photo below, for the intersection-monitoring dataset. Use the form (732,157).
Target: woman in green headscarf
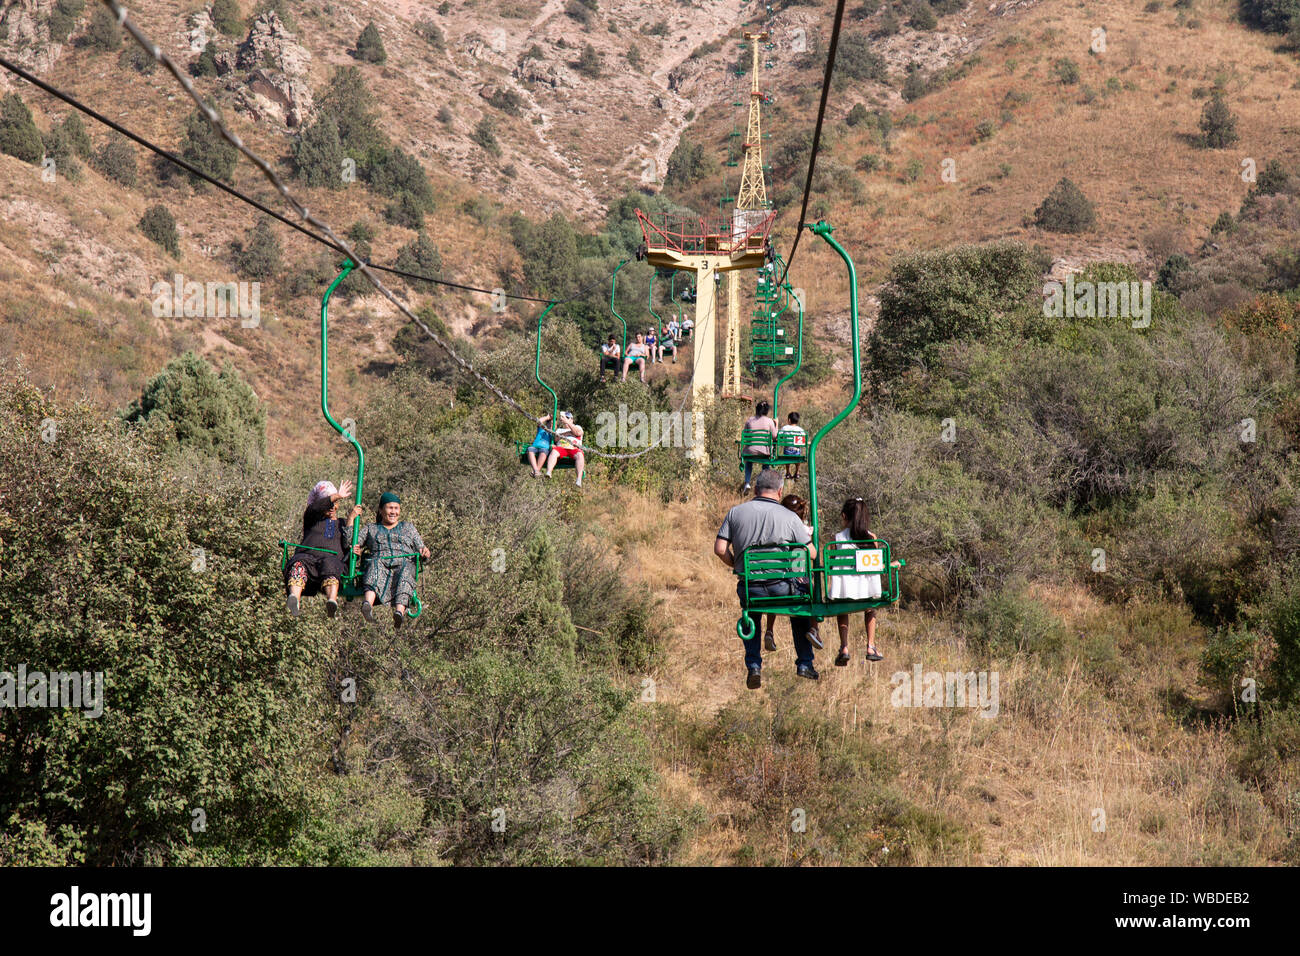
(390,571)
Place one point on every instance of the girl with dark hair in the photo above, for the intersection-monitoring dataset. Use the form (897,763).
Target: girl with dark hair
(390,574)
(758,422)
(856,587)
(317,566)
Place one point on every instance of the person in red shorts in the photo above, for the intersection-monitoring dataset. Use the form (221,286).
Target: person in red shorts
(568,444)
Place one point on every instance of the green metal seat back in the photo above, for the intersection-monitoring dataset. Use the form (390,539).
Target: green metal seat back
(844,558)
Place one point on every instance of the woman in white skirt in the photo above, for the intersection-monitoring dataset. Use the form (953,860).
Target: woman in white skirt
(856,587)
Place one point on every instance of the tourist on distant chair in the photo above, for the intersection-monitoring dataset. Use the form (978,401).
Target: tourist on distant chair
(791,442)
(758,422)
(652,343)
(541,446)
(390,574)
(610,353)
(636,352)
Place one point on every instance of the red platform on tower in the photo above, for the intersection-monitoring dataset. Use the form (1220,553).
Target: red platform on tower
(740,237)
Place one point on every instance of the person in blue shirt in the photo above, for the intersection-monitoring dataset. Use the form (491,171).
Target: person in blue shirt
(541,446)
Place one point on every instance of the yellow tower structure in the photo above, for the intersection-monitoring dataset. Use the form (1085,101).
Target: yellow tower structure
(751,203)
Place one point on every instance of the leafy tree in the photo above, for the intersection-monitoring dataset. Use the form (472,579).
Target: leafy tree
(1171,269)
(915,84)
(688,164)
(190,405)
(318,154)
(1065,209)
(395,172)
(589,62)
(1218,124)
(116,160)
(963,292)
(1273,180)
(420,256)
(19,136)
(205,149)
(206,64)
(1066,71)
(104,33)
(549,251)
(370,45)
(350,104)
(260,254)
(855,60)
(1275,16)
(157,583)
(921,17)
(157,224)
(74,133)
(63,18)
(485,136)
(227,18)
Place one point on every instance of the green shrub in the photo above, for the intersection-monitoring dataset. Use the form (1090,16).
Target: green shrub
(1008,621)
(432,34)
(370,45)
(159,226)
(588,62)
(507,101)
(116,160)
(855,60)
(984,130)
(921,17)
(227,18)
(858,115)
(1281,615)
(136,57)
(486,137)
(206,64)
(159,582)
(205,149)
(259,256)
(915,84)
(1066,71)
(19,136)
(933,297)
(63,18)
(420,256)
(1275,16)
(1065,209)
(104,34)
(190,405)
(1218,124)
(318,154)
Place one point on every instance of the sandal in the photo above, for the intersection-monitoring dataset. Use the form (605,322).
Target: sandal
(842,659)
(873,655)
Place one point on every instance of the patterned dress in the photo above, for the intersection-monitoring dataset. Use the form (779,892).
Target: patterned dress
(391,578)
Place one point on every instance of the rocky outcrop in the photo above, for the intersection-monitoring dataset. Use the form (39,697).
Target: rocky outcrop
(25,35)
(276,84)
(533,70)
(200,30)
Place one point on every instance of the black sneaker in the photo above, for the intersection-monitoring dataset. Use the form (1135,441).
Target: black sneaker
(397,621)
(291,605)
(331,608)
(368,612)
(755,678)
(808,671)
(769,642)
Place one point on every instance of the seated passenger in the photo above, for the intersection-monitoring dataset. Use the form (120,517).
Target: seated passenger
(541,446)
(855,587)
(688,326)
(390,572)
(796,504)
(568,444)
(610,353)
(668,345)
(791,441)
(636,352)
(317,566)
(758,422)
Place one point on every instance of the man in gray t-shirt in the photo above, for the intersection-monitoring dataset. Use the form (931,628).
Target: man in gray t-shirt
(760,522)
